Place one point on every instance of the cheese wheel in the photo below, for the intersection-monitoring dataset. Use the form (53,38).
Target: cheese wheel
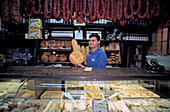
(75,45)
(76,57)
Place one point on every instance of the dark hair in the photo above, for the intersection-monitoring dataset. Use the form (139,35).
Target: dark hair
(95,35)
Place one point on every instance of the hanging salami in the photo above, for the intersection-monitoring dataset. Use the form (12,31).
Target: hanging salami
(139,7)
(100,9)
(87,11)
(73,15)
(39,7)
(80,17)
(66,10)
(146,12)
(56,8)
(94,8)
(131,9)
(48,9)
(119,9)
(28,8)
(22,3)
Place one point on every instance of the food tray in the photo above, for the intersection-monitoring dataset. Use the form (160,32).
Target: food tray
(130,87)
(138,94)
(92,88)
(3,94)
(52,94)
(26,94)
(88,96)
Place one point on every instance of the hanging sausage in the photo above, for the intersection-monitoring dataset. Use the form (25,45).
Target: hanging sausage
(100,8)
(22,3)
(48,5)
(131,4)
(94,8)
(66,10)
(56,8)
(39,6)
(80,18)
(146,12)
(73,15)
(28,8)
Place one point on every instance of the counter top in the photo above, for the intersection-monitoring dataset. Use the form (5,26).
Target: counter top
(75,73)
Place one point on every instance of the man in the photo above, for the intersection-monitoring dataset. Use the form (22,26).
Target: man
(97,57)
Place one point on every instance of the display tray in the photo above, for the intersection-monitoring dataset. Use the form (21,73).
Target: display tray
(52,94)
(138,94)
(26,94)
(129,87)
(92,88)
(3,94)
(88,96)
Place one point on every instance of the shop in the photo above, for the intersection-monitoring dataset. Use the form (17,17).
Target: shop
(41,40)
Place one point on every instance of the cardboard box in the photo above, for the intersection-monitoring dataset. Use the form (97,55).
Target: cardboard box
(35,24)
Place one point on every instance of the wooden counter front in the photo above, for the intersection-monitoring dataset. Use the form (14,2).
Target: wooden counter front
(75,73)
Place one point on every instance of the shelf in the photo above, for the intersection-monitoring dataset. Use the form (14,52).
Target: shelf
(54,63)
(55,49)
(112,50)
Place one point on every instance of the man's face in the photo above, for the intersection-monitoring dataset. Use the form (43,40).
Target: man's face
(93,42)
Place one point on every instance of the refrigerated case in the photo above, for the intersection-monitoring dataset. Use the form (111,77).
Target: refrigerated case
(71,85)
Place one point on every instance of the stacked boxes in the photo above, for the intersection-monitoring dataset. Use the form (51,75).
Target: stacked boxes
(34,29)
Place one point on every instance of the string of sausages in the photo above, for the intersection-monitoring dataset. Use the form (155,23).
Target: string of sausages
(91,10)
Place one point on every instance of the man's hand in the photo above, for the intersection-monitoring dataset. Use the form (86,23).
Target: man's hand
(79,65)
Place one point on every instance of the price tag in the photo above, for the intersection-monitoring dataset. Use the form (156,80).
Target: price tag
(99,107)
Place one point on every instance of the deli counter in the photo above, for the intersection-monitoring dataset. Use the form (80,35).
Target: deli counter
(44,89)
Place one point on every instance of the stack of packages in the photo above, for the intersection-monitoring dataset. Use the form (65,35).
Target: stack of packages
(34,29)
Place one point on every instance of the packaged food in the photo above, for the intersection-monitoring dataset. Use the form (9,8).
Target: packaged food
(35,24)
(34,34)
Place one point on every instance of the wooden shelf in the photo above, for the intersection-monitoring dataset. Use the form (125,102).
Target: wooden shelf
(55,49)
(53,62)
(112,50)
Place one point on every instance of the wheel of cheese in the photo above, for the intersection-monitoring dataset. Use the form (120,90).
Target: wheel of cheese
(75,45)
(44,58)
(76,57)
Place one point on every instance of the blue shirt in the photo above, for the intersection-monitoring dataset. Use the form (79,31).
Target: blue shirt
(97,59)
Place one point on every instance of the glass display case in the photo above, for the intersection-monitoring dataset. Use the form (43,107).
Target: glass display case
(45,89)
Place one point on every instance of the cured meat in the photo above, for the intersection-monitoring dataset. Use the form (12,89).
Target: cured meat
(80,18)
(66,10)
(131,9)
(48,13)
(39,7)
(101,10)
(146,12)
(94,14)
(56,5)
(87,11)
(5,11)
(73,6)
(28,8)
(119,9)
(15,15)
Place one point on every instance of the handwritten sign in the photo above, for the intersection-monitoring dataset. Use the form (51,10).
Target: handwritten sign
(99,107)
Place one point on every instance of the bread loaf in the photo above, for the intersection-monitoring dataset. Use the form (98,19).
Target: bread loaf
(76,57)
(74,45)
